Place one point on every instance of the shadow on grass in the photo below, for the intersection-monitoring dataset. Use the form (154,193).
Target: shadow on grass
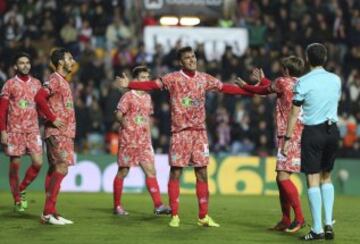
(14,215)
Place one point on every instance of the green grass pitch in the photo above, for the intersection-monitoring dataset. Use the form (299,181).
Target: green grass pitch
(243,219)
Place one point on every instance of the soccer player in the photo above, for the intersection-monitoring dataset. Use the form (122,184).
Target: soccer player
(189,142)
(55,101)
(318,93)
(19,127)
(292,67)
(133,112)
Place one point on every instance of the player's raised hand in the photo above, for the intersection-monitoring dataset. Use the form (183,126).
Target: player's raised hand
(4,138)
(258,74)
(58,124)
(122,81)
(240,82)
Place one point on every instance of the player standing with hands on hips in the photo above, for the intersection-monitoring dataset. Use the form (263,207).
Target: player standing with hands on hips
(318,92)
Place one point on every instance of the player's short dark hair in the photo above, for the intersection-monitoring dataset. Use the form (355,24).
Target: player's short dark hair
(21,55)
(139,69)
(57,55)
(295,65)
(316,54)
(183,50)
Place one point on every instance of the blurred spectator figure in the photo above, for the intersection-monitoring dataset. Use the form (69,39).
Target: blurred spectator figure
(297,9)
(142,57)
(149,19)
(257,33)
(85,34)
(13,30)
(99,24)
(222,131)
(117,32)
(69,35)
(82,124)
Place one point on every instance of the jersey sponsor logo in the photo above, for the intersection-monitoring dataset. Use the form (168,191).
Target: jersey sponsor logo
(69,105)
(139,119)
(186,102)
(23,104)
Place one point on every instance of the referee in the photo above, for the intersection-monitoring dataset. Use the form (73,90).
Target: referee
(318,93)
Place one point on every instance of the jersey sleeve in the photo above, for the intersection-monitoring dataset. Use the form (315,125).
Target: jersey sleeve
(278,86)
(124,104)
(52,85)
(167,81)
(6,91)
(212,83)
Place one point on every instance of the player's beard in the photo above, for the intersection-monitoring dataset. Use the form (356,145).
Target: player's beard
(68,68)
(22,73)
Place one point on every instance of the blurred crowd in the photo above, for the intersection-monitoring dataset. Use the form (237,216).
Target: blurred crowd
(106,38)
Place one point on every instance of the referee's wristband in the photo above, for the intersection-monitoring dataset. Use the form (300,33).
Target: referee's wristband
(287,138)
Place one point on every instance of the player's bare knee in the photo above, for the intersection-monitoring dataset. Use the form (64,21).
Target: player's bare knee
(62,168)
(313,180)
(175,173)
(201,174)
(15,160)
(122,172)
(37,162)
(325,177)
(282,175)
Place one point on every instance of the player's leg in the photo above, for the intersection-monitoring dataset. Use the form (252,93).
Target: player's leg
(62,150)
(284,203)
(14,182)
(31,173)
(153,188)
(200,159)
(49,173)
(118,189)
(174,194)
(327,188)
(179,157)
(34,147)
(202,193)
(328,195)
(293,198)
(311,153)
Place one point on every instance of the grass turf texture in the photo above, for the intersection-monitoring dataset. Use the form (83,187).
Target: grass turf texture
(243,219)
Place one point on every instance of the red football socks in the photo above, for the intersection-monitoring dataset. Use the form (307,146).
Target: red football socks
(53,192)
(174,192)
(117,191)
(14,181)
(202,193)
(153,188)
(293,198)
(284,203)
(47,180)
(30,175)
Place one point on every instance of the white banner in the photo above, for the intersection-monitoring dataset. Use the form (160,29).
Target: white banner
(86,176)
(214,39)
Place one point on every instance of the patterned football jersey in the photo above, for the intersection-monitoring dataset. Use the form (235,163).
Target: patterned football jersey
(187,98)
(284,90)
(22,115)
(135,126)
(62,105)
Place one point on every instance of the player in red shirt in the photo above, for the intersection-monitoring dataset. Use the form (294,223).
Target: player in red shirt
(55,101)
(189,142)
(133,112)
(19,127)
(292,67)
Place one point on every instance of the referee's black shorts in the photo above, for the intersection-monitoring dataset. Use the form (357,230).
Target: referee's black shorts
(319,144)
